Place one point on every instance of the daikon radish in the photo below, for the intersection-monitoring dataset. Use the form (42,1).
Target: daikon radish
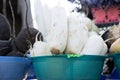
(84,33)
(94,46)
(40,48)
(95,28)
(89,23)
(77,34)
(105,49)
(91,33)
(37,15)
(57,35)
(41,15)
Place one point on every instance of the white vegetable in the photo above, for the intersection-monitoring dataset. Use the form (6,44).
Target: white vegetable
(91,33)
(57,35)
(89,23)
(84,33)
(94,46)
(41,15)
(77,34)
(37,15)
(40,49)
(105,49)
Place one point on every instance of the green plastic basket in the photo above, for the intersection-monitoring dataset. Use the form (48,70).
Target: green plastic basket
(62,68)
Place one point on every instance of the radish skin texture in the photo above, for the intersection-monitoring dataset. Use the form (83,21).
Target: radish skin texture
(37,15)
(41,49)
(84,33)
(77,34)
(57,35)
(94,46)
(89,23)
(91,33)
(105,49)
(41,15)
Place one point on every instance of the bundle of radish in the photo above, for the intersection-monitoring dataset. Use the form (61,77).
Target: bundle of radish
(77,34)
(40,48)
(57,35)
(62,36)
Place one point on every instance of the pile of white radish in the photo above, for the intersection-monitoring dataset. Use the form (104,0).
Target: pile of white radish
(83,37)
(73,33)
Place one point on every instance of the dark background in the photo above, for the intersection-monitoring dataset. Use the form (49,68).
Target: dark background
(8,14)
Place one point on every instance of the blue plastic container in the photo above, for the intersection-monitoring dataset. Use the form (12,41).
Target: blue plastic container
(13,68)
(31,73)
(63,68)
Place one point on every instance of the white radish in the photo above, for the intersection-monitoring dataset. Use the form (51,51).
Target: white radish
(84,33)
(37,15)
(41,15)
(104,46)
(40,48)
(89,23)
(94,46)
(77,34)
(57,35)
(105,49)
(91,33)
